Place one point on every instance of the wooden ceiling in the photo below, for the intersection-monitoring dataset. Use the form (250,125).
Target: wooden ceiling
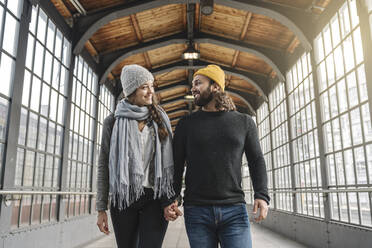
(249,39)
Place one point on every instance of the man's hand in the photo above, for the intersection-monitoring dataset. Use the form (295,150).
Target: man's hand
(102,222)
(172,212)
(262,205)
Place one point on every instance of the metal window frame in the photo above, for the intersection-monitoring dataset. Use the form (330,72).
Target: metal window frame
(348,111)
(298,87)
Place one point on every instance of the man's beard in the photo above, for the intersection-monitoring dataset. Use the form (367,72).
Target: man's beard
(204,97)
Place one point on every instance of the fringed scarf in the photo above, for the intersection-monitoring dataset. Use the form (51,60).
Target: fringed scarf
(125,162)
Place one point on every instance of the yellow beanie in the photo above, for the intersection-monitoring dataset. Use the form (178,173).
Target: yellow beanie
(213,72)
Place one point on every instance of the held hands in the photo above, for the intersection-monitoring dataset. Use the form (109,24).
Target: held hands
(172,212)
(262,205)
(102,222)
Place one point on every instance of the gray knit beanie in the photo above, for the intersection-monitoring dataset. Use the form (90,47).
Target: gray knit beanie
(133,76)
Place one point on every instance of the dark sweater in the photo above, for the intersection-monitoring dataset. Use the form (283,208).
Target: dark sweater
(212,145)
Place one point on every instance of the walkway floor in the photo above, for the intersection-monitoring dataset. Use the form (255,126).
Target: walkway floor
(176,238)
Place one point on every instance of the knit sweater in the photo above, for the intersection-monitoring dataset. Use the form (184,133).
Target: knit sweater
(211,145)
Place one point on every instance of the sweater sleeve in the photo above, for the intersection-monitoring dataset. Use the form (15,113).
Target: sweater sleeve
(179,155)
(256,162)
(103,164)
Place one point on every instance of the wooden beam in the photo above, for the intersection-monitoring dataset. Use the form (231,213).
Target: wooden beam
(236,55)
(147,60)
(272,74)
(292,46)
(295,21)
(184,17)
(65,11)
(197,17)
(110,76)
(137,30)
(246,24)
(91,49)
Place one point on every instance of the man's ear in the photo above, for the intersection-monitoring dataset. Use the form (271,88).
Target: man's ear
(215,87)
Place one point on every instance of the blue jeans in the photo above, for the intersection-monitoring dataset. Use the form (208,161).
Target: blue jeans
(206,226)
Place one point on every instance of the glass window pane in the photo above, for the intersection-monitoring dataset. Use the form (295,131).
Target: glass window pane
(10,41)
(51,35)
(356,127)
(367,123)
(3,119)
(38,59)
(33,19)
(32,130)
(35,94)
(43,124)
(7,74)
(352,90)
(30,51)
(322,76)
(58,45)
(23,127)
(362,82)
(61,109)
(339,62)
(319,52)
(53,105)
(19,167)
(56,73)
(349,166)
(358,47)
(45,100)
(345,20)
(335,31)
(26,88)
(342,97)
(66,52)
(353,13)
(41,26)
(360,165)
(345,130)
(327,40)
(333,101)
(348,54)
(51,137)
(48,67)
(15,6)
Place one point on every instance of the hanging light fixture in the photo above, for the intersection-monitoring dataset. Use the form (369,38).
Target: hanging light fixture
(191,53)
(206,7)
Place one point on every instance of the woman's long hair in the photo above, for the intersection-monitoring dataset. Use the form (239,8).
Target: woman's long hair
(156,116)
(223,100)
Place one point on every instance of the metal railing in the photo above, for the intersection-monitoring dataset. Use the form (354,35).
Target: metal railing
(324,191)
(14,195)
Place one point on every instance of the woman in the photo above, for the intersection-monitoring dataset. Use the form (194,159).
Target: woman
(135,164)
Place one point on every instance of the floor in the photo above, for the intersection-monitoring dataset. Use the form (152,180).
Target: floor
(176,238)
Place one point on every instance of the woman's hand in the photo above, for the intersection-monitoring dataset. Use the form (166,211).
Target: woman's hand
(172,212)
(102,222)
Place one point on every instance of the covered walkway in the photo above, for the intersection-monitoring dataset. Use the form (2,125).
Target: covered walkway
(302,69)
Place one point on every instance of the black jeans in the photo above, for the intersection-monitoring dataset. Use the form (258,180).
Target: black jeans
(141,225)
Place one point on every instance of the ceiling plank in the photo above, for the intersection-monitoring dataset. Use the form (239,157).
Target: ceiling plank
(110,60)
(296,21)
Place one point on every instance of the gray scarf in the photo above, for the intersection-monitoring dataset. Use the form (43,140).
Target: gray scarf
(125,162)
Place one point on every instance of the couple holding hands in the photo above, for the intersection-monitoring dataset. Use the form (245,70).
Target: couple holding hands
(142,165)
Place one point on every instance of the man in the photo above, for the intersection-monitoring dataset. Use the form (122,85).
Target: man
(211,142)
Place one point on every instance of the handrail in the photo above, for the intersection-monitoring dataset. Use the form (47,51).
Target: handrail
(30,192)
(325,191)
